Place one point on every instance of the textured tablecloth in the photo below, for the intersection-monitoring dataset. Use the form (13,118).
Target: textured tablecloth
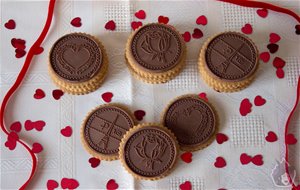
(65,157)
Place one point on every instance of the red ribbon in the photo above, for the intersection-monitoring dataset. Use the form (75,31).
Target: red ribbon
(17,84)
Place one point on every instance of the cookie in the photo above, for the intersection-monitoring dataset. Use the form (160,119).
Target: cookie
(228,62)
(149,151)
(192,120)
(78,63)
(103,129)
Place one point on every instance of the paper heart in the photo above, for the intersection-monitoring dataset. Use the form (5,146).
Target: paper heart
(139,114)
(110,25)
(262,12)
(163,19)
(76,22)
(201,20)
(38,50)
(16,126)
(11,145)
(273,48)
(245,158)
(187,157)
(187,185)
(135,25)
(38,125)
(297,27)
(112,185)
(265,56)
(197,33)
(57,94)
(203,96)
(259,101)
(52,184)
(274,38)
(245,107)
(20,53)
(290,139)
(247,29)
(278,62)
(140,14)
(37,148)
(67,131)
(39,94)
(271,137)
(107,96)
(257,160)
(94,162)
(221,138)
(220,162)
(280,73)
(18,43)
(186,36)
(10,24)
(296,188)
(69,183)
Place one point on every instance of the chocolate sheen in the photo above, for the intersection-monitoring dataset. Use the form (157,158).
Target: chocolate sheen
(231,56)
(150,152)
(156,47)
(192,121)
(76,57)
(105,128)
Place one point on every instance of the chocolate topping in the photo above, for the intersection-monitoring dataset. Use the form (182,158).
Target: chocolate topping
(157,47)
(76,57)
(105,128)
(231,56)
(150,152)
(192,121)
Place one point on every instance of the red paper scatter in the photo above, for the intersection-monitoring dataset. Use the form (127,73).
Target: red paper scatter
(76,22)
(11,142)
(67,131)
(290,139)
(265,56)
(38,125)
(280,73)
(110,25)
(37,148)
(246,159)
(112,185)
(20,53)
(201,20)
(220,162)
(69,183)
(258,160)
(39,94)
(221,138)
(278,62)
(247,29)
(107,96)
(163,19)
(94,162)
(57,94)
(10,24)
(16,126)
(262,12)
(187,185)
(197,33)
(273,48)
(271,137)
(245,107)
(18,43)
(140,14)
(52,184)
(259,101)
(139,114)
(186,36)
(187,157)
(274,38)
(203,96)
(38,50)
(135,25)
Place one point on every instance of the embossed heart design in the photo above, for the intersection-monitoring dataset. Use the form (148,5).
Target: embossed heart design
(192,120)
(76,57)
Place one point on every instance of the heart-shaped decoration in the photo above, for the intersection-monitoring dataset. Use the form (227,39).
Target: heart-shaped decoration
(201,20)
(16,126)
(52,184)
(274,38)
(280,73)
(278,62)
(163,19)
(18,43)
(247,29)
(140,14)
(197,33)
(262,12)
(76,57)
(94,162)
(11,145)
(187,157)
(10,24)
(273,48)
(203,96)
(187,185)
(107,96)
(257,160)
(57,94)
(135,25)
(139,114)
(221,138)
(186,36)
(290,139)
(245,107)
(194,118)
(245,158)
(69,183)
(112,185)
(39,94)
(76,22)
(38,125)
(37,148)
(20,53)
(38,50)
(297,27)
(271,137)
(265,56)
(259,101)
(67,131)
(11,142)
(220,162)
(110,25)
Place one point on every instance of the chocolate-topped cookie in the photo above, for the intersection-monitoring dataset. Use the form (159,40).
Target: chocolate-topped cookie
(192,120)
(149,151)
(103,129)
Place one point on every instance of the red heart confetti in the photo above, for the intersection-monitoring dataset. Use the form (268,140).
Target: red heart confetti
(94,162)
(38,50)
(20,53)
(67,131)
(265,56)
(245,107)
(258,160)
(220,162)
(38,125)
(187,157)
(271,137)
(259,101)
(110,25)
(76,22)
(69,183)
(297,27)
(186,36)
(201,20)
(37,148)
(247,29)
(18,43)
(203,96)
(57,94)
(274,38)
(107,96)
(11,142)
(187,185)
(245,158)
(290,139)
(39,94)
(112,185)
(278,62)
(280,73)
(273,48)
(16,126)
(262,12)
(135,25)
(139,114)
(10,24)
(52,184)
(197,33)
(221,138)
(163,19)
(140,14)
